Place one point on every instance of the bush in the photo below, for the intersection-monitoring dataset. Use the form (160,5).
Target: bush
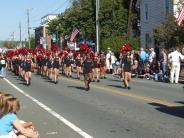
(115,42)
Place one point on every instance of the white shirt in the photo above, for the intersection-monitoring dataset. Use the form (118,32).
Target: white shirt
(152,56)
(175,57)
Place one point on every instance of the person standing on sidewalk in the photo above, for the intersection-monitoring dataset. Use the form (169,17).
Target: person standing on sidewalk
(3,65)
(175,58)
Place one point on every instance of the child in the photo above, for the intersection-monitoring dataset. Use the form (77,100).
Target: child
(9,120)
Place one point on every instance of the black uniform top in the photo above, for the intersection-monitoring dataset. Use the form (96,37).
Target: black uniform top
(78,62)
(44,61)
(68,62)
(95,62)
(64,60)
(127,64)
(87,65)
(56,62)
(22,64)
(49,63)
(28,65)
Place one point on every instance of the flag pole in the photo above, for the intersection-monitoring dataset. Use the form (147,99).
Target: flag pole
(97,26)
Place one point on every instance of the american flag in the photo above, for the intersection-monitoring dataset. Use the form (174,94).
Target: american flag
(181,16)
(74,33)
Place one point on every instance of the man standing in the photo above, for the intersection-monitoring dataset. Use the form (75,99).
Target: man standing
(3,64)
(175,58)
(109,60)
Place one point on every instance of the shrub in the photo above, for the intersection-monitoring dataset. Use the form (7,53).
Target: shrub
(115,42)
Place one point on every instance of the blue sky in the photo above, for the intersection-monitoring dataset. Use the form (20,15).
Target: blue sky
(14,11)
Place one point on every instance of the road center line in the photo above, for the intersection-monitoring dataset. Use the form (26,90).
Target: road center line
(129,94)
(52,112)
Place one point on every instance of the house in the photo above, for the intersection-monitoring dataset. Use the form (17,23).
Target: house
(42,38)
(152,14)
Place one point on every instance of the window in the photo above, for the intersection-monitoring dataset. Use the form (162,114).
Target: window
(147,40)
(167,6)
(146,11)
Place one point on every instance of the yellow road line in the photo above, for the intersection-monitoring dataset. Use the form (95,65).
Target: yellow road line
(129,94)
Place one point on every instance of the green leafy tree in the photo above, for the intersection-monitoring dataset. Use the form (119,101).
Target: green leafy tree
(32,43)
(82,14)
(169,34)
(116,42)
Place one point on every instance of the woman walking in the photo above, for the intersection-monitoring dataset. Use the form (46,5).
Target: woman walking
(96,62)
(127,70)
(56,65)
(87,71)
(28,63)
(78,63)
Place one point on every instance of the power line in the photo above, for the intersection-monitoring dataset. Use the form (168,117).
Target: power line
(46,9)
(52,12)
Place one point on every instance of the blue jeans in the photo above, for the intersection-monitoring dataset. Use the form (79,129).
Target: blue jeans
(3,72)
(164,67)
(159,77)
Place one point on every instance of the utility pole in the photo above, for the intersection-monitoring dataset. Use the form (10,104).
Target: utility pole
(28,29)
(97,26)
(129,19)
(12,38)
(20,31)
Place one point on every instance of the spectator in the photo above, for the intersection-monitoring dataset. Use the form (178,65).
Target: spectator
(175,58)
(143,58)
(158,71)
(3,65)
(9,120)
(152,56)
(113,63)
(143,55)
(163,59)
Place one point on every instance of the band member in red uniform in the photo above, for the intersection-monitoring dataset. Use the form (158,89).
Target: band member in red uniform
(87,71)
(96,62)
(56,65)
(49,67)
(68,66)
(127,69)
(27,69)
(78,63)
(102,66)
(43,65)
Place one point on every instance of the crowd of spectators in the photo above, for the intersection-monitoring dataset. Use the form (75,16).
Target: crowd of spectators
(153,64)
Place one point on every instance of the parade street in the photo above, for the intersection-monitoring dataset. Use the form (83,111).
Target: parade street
(65,110)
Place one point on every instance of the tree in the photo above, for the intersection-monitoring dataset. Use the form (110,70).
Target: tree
(32,43)
(8,45)
(113,17)
(169,34)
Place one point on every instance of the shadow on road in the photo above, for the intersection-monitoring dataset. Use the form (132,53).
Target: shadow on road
(177,111)
(117,86)
(77,87)
(115,80)
(23,83)
(181,102)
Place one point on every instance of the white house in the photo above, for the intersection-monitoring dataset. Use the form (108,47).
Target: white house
(42,38)
(152,14)
(47,18)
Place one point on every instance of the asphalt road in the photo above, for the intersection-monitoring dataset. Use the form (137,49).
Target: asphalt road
(65,110)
